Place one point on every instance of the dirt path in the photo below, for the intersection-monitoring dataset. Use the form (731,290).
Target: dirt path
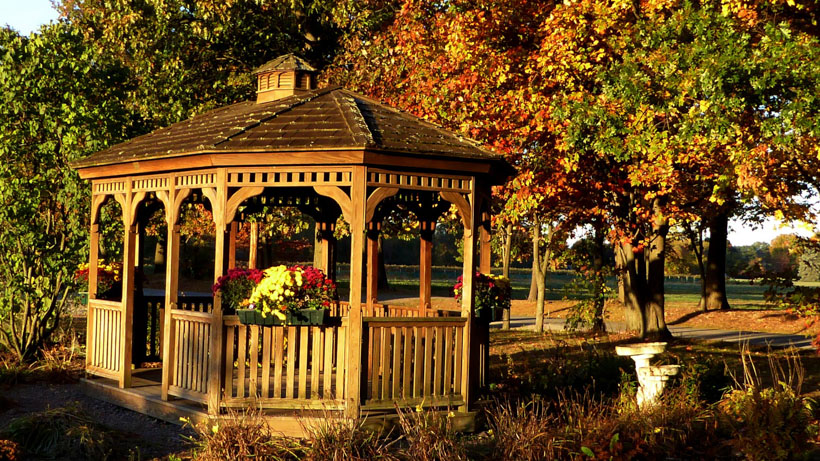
(149,437)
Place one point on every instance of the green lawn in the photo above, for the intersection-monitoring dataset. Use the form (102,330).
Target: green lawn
(404,282)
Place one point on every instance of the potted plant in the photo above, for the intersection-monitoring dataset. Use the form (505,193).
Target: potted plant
(493,294)
(109,281)
(236,287)
(296,295)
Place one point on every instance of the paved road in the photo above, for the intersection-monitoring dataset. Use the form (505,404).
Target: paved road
(754,338)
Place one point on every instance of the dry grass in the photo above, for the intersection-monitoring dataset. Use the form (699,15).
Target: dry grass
(241,435)
(429,435)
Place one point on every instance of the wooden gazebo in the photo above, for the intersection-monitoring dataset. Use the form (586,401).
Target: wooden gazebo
(332,153)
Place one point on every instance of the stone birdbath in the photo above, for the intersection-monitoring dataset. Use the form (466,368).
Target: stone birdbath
(651,379)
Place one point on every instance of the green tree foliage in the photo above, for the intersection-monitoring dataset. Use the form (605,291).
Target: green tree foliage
(187,56)
(59,101)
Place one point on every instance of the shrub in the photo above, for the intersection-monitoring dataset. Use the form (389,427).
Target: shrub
(770,424)
(429,435)
(550,372)
(705,379)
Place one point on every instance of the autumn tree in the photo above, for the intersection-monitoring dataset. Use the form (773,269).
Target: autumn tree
(660,101)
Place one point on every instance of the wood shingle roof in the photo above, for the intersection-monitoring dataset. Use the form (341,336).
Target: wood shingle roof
(326,119)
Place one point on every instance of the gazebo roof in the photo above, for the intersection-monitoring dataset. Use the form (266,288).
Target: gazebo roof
(286,62)
(326,119)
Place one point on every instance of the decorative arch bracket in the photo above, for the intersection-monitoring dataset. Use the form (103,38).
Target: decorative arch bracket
(376,197)
(463,205)
(340,197)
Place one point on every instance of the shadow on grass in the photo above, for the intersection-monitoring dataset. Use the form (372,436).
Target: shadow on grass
(686,317)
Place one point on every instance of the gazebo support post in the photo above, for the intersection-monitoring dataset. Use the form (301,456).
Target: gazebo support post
(253,246)
(373,230)
(171,300)
(128,267)
(483,337)
(93,269)
(485,251)
(219,201)
(426,266)
(467,210)
(355,368)
(171,199)
(232,245)
(140,316)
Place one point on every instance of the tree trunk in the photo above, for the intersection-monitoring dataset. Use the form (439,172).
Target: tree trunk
(698,249)
(714,296)
(506,234)
(655,324)
(619,276)
(536,240)
(599,280)
(633,291)
(318,251)
(506,253)
(644,283)
(159,254)
(540,264)
(383,283)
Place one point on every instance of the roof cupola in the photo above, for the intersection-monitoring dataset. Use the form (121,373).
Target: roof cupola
(284,76)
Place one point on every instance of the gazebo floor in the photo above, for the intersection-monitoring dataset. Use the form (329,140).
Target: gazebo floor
(145,396)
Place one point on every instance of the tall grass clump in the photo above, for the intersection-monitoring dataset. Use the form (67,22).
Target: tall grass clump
(66,432)
(769,422)
(522,431)
(241,436)
(337,439)
(429,435)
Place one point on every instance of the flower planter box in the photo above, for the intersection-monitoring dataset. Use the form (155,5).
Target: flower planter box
(254,317)
(307,317)
(489,314)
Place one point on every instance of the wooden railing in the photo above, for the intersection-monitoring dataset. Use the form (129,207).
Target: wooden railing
(189,354)
(154,308)
(104,354)
(285,366)
(413,361)
(388,310)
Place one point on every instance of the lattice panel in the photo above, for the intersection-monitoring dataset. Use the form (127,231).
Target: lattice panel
(202,179)
(280,177)
(418,181)
(149,184)
(109,187)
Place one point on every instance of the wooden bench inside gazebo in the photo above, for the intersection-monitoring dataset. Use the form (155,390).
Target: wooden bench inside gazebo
(330,152)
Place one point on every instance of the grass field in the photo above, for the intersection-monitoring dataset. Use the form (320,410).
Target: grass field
(679,289)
